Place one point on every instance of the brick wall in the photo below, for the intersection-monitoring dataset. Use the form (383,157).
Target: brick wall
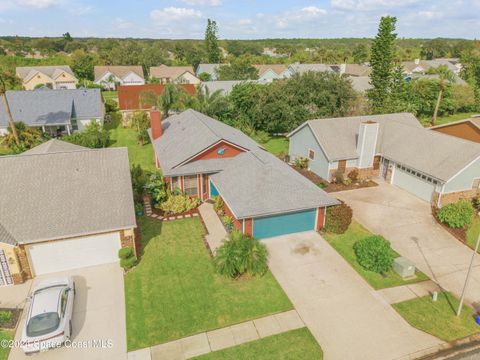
(248,227)
(236,223)
(455,197)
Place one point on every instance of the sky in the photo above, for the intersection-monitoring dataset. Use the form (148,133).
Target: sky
(238,19)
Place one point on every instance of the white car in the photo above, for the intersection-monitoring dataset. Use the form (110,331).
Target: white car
(49,319)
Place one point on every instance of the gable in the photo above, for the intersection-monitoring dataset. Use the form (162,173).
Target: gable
(465,130)
(220,150)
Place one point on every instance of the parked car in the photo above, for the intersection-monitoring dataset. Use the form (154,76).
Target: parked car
(49,319)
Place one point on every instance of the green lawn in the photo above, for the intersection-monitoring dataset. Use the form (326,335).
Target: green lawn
(343,243)
(473,232)
(109,95)
(447,119)
(277,145)
(292,345)
(174,291)
(5,335)
(439,318)
(137,154)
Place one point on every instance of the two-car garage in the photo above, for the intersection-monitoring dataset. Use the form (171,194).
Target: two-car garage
(414,182)
(283,224)
(55,256)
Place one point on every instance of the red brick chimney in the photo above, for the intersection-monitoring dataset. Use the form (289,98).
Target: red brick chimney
(156,123)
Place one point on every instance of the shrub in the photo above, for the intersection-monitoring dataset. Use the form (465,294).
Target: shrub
(338,218)
(261,136)
(93,136)
(139,181)
(476,203)
(374,253)
(301,163)
(128,263)
(457,215)
(321,185)
(5,316)
(353,175)
(347,181)
(241,254)
(228,221)
(218,204)
(125,253)
(338,177)
(157,188)
(177,204)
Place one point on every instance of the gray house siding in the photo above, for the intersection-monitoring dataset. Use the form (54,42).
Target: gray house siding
(464,180)
(301,142)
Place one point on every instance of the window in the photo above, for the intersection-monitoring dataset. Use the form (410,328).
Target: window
(191,185)
(311,154)
(176,183)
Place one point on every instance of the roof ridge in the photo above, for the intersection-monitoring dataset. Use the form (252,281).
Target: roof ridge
(204,123)
(64,151)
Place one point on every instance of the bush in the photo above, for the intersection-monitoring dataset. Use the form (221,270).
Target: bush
(374,253)
(5,316)
(457,215)
(260,136)
(157,188)
(347,181)
(241,254)
(476,203)
(125,253)
(338,177)
(353,175)
(140,178)
(93,136)
(338,218)
(128,263)
(301,163)
(228,221)
(218,204)
(177,204)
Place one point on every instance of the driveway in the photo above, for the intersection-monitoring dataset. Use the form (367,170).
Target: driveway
(407,222)
(345,315)
(99,314)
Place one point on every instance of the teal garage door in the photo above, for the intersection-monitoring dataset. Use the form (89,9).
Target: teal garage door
(277,225)
(213,190)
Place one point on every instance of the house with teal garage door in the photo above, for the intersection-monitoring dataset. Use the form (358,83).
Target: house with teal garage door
(264,196)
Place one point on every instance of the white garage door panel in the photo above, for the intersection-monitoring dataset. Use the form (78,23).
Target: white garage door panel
(71,254)
(417,186)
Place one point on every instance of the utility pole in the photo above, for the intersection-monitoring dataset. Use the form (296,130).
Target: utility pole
(468,277)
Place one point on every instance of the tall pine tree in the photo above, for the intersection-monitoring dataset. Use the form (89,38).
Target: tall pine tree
(211,42)
(383,66)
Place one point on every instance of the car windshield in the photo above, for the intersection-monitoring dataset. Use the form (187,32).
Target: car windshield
(43,324)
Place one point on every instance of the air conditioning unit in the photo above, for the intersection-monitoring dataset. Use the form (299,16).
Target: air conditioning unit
(404,267)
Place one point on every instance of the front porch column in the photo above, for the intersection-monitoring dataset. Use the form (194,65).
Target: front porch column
(68,130)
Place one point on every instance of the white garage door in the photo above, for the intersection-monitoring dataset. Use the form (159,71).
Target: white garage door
(414,183)
(72,254)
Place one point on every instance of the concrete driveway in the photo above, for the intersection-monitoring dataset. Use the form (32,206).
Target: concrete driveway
(407,222)
(345,315)
(99,314)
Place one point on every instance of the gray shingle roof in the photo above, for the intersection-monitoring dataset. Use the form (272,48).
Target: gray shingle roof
(225,86)
(52,107)
(198,167)
(191,132)
(65,194)
(53,146)
(303,68)
(207,68)
(259,184)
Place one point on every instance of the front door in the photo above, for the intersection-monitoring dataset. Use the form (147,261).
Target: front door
(376,162)
(5,276)
(342,165)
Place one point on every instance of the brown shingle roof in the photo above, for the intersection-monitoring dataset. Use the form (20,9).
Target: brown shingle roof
(170,72)
(118,71)
(276,68)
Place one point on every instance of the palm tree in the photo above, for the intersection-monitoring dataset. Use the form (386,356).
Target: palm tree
(445,75)
(3,91)
(169,98)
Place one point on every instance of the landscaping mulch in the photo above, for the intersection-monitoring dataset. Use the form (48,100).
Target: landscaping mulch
(12,323)
(331,187)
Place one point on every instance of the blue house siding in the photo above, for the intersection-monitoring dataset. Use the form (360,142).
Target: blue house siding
(213,190)
(301,142)
(284,224)
(464,180)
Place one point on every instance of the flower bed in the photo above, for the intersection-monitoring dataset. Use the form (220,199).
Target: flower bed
(9,318)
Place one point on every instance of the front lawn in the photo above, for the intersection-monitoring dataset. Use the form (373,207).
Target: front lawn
(343,243)
(277,145)
(5,335)
(439,318)
(120,136)
(110,95)
(174,291)
(441,120)
(292,345)
(473,232)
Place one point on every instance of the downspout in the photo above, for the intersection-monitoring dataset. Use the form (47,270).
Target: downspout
(439,200)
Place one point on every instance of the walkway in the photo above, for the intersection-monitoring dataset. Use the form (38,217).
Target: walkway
(214,340)
(346,316)
(398,294)
(216,231)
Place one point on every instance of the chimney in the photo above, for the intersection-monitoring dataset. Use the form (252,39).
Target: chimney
(156,123)
(367,143)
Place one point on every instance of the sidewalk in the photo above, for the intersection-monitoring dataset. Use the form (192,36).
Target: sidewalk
(219,339)
(216,231)
(398,294)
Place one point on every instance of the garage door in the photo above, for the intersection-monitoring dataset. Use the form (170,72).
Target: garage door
(71,254)
(266,227)
(414,184)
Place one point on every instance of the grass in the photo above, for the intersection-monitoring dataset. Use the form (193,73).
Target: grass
(343,244)
(137,154)
(473,232)
(447,119)
(4,351)
(109,95)
(277,145)
(174,291)
(292,345)
(439,318)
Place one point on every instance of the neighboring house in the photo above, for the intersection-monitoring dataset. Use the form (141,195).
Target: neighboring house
(54,111)
(468,129)
(210,69)
(268,73)
(130,97)
(63,207)
(422,66)
(176,74)
(456,80)
(225,86)
(54,77)
(303,68)
(435,167)
(360,83)
(353,70)
(112,76)
(265,197)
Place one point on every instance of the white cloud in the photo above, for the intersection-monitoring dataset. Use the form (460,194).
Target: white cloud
(306,14)
(368,5)
(172,14)
(203,2)
(39,4)
(178,22)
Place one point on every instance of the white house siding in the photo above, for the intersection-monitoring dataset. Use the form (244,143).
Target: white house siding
(82,123)
(3,131)
(65,85)
(188,78)
(133,79)
(104,80)
(268,76)
(464,180)
(300,143)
